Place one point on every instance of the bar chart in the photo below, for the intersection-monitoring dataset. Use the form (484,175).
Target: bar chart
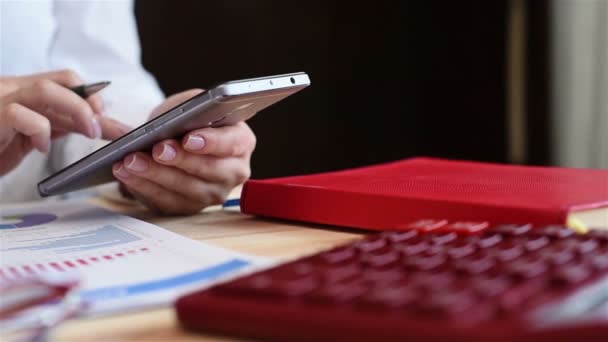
(122,262)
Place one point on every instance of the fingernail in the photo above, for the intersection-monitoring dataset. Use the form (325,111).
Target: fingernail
(96,128)
(45,147)
(194,142)
(136,163)
(168,153)
(121,172)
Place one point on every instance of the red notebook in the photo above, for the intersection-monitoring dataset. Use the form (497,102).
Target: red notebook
(392,195)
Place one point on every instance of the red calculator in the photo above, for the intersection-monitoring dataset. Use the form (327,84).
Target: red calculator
(465,281)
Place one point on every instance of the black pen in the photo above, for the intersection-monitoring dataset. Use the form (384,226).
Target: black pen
(87,90)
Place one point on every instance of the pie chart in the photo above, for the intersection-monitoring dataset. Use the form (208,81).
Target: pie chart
(27,220)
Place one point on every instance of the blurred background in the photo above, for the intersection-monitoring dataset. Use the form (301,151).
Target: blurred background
(505,81)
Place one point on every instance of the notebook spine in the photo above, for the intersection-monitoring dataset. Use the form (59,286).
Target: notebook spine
(376,211)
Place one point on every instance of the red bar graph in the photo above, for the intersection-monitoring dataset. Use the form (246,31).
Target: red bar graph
(17,271)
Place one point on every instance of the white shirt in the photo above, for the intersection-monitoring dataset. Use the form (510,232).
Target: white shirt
(98,40)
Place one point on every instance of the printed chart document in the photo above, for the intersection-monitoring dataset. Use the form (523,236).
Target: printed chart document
(123,263)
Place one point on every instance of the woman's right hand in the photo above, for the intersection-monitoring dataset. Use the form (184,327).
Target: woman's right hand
(37,108)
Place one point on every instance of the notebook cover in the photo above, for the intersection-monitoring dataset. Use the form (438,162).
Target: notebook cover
(390,196)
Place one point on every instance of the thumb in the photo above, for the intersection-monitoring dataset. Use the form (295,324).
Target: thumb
(112,129)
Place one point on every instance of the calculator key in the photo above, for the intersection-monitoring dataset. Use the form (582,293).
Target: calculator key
(581,246)
(415,248)
(507,252)
(425,226)
(397,237)
(527,267)
(513,229)
(587,246)
(444,238)
(371,245)
(537,243)
(571,274)
(489,240)
(339,255)
(559,232)
(457,252)
(435,249)
(474,266)
(381,260)
(466,228)
(425,263)
(560,258)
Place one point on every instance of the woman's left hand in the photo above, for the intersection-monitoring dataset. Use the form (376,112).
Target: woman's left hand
(183,177)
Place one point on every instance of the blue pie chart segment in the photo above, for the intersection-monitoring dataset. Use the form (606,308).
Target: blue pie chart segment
(24,221)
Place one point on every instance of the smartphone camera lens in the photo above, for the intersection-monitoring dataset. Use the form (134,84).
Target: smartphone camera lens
(293,80)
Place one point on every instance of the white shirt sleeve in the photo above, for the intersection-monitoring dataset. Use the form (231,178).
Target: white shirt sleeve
(99,40)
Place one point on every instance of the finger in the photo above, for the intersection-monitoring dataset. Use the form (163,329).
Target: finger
(228,141)
(69,78)
(154,195)
(112,129)
(96,102)
(174,100)
(228,171)
(59,122)
(53,100)
(65,77)
(197,191)
(20,119)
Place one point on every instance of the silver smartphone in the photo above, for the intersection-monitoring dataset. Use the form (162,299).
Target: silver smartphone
(225,104)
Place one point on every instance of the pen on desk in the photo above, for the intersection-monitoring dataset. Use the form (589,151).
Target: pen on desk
(87,90)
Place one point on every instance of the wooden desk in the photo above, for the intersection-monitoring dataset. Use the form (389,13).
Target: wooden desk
(228,229)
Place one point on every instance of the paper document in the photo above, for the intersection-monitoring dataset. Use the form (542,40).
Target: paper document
(124,263)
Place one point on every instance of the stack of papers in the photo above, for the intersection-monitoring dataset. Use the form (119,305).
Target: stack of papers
(123,263)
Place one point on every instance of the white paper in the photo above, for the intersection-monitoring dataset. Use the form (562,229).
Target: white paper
(124,263)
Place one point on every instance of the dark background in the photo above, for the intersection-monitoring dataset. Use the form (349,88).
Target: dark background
(390,79)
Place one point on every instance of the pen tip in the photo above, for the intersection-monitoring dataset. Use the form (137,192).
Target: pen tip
(95,87)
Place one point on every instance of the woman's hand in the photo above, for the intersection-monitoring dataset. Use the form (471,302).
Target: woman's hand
(35,109)
(183,177)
